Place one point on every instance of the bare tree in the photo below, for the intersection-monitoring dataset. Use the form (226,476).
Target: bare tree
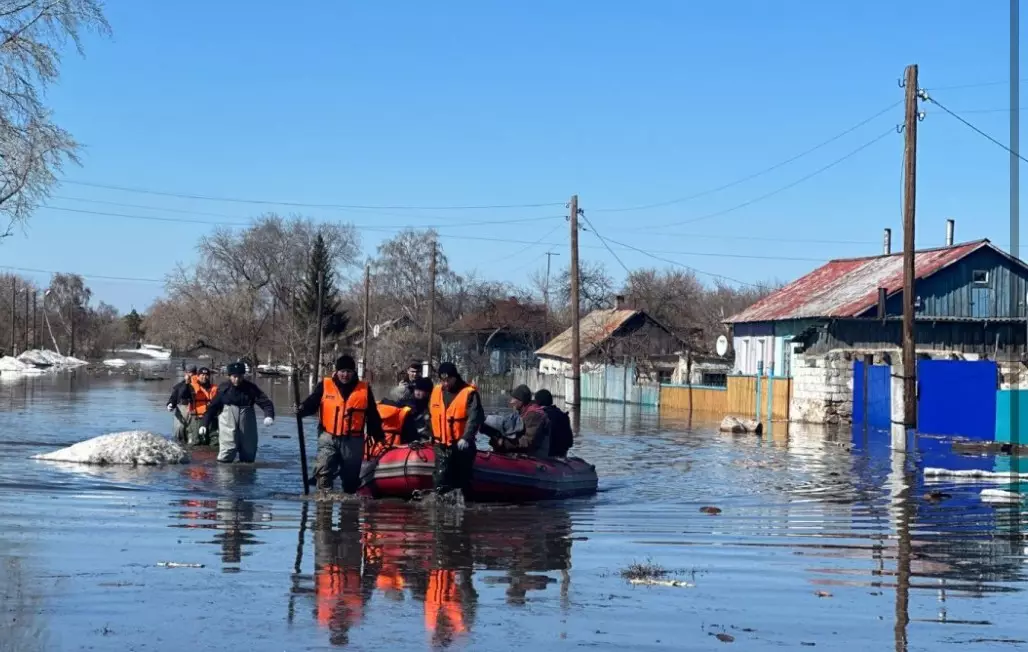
(33,149)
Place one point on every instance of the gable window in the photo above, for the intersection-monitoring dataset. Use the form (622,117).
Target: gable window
(980,277)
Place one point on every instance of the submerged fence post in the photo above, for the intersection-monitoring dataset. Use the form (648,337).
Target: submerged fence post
(760,371)
(770,392)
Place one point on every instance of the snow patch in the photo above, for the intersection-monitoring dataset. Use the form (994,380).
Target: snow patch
(150,351)
(134,447)
(9,364)
(976,474)
(52,358)
(999,496)
(115,362)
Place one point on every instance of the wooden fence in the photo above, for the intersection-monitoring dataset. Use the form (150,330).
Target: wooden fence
(745,396)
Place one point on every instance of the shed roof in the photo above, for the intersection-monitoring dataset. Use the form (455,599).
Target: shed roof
(847,287)
(594,329)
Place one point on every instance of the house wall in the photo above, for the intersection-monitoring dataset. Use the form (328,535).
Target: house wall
(953,292)
(997,340)
(769,343)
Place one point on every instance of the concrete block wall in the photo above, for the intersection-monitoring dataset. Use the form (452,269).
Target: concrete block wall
(822,389)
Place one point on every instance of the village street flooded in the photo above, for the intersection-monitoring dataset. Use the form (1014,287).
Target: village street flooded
(818,543)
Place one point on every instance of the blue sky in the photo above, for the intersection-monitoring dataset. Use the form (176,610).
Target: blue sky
(486,103)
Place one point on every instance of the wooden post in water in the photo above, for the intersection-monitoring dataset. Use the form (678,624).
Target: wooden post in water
(299,432)
(367,308)
(14,308)
(576,362)
(431,303)
(909,185)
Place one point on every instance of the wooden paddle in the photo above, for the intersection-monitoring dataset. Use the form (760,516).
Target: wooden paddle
(299,433)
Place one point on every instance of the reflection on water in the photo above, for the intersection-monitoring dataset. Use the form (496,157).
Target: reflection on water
(831,525)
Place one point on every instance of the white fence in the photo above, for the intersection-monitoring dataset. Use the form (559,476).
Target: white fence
(611,383)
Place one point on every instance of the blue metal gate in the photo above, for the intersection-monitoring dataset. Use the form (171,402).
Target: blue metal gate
(878,399)
(957,397)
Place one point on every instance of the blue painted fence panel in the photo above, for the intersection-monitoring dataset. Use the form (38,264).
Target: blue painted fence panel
(879,396)
(1012,416)
(957,397)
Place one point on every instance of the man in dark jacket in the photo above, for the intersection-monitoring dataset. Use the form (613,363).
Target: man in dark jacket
(535,439)
(178,405)
(233,410)
(347,414)
(457,414)
(562,438)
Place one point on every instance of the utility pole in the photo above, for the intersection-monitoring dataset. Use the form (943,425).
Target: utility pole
(909,183)
(25,318)
(546,292)
(74,318)
(576,363)
(431,304)
(35,319)
(367,307)
(14,308)
(321,316)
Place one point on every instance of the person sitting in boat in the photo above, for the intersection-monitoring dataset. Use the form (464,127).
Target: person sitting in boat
(347,414)
(420,420)
(200,392)
(456,416)
(178,404)
(561,436)
(403,422)
(534,440)
(233,410)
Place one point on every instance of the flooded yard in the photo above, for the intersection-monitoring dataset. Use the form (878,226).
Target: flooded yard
(791,540)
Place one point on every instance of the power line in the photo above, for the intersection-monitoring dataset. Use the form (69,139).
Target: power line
(768,195)
(975,85)
(239,200)
(678,264)
(755,174)
(381,227)
(927,98)
(529,246)
(597,234)
(96,276)
(755,238)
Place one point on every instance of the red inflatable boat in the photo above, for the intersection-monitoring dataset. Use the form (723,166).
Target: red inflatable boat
(401,471)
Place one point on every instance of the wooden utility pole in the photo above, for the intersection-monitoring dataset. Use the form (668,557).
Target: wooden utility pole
(367,307)
(546,292)
(35,319)
(321,328)
(14,308)
(576,363)
(431,304)
(909,183)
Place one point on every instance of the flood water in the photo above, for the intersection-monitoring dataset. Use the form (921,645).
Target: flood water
(817,544)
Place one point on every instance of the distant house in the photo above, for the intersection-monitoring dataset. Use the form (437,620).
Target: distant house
(508,332)
(612,336)
(353,338)
(969,298)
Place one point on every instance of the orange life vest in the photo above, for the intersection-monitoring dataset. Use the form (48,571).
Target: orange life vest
(393,418)
(201,396)
(448,422)
(443,599)
(341,418)
(338,588)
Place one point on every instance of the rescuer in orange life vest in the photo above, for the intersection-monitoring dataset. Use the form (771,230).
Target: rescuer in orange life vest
(403,422)
(456,413)
(200,392)
(347,412)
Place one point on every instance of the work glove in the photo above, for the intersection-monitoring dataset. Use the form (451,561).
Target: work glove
(268,421)
(171,407)
(462,444)
(202,431)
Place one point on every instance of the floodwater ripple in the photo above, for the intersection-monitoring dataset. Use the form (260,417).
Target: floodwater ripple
(798,538)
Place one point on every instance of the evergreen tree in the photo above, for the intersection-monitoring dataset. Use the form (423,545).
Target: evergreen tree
(334,319)
(134,325)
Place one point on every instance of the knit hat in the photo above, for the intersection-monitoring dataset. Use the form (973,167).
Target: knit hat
(448,369)
(203,370)
(236,369)
(423,384)
(345,363)
(543,397)
(192,369)
(522,393)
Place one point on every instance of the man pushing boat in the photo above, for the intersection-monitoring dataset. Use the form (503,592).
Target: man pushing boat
(456,414)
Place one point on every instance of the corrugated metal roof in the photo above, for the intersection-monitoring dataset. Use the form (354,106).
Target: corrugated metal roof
(848,287)
(594,329)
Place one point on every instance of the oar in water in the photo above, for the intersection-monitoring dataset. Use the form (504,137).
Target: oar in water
(299,434)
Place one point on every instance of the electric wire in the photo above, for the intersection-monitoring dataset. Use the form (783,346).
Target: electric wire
(755,174)
(928,98)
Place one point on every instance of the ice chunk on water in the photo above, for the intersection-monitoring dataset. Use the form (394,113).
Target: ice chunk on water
(134,447)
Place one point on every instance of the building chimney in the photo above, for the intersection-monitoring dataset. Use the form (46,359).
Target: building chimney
(619,302)
(949,233)
(887,245)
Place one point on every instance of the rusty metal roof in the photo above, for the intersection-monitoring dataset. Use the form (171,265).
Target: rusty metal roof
(847,287)
(593,330)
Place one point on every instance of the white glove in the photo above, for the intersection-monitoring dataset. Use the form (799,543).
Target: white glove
(268,421)
(203,430)
(171,407)
(462,444)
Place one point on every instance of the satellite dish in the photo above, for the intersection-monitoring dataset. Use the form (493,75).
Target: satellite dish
(722,345)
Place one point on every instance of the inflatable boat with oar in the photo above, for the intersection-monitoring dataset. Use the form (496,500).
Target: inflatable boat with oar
(404,471)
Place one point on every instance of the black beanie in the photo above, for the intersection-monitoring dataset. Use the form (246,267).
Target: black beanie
(236,369)
(423,384)
(448,369)
(345,363)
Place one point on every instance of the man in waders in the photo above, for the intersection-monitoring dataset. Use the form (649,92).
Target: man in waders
(233,410)
(178,405)
(347,414)
(201,391)
(456,413)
